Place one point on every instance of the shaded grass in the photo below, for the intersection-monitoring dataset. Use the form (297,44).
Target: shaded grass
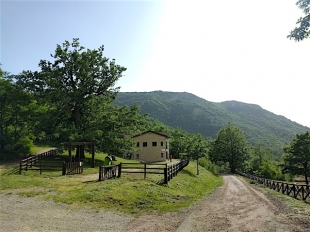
(129,194)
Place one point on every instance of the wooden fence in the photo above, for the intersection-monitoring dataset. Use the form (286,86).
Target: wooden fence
(40,163)
(108,172)
(168,172)
(173,170)
(32,162)
(71,168)
(298,191)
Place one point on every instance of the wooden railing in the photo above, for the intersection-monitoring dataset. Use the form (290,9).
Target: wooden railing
(298,191)
(168,172)
(173,170)
(143,168)
(39,162)
(33,161)
(71,168)
(108,172)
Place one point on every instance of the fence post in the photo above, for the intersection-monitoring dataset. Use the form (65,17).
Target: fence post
(173,171)
(100,173)
(166,175)
(303,193)
(64,168)
(119,169)
(20,167)
(144,171)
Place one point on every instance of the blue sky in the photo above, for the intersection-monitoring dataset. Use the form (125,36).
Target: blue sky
(217,50)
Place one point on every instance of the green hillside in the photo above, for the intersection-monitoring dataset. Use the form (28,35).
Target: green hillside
(196,115)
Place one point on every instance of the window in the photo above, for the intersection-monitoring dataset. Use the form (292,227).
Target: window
(162,144)
(162,155)
(154,144)
(144,144)
(138,144)
(137,156)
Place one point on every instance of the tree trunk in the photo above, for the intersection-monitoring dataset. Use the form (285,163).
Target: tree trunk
(80,154)
(197,168)
(232,169)
(306,172)
(306,178)
(77,153)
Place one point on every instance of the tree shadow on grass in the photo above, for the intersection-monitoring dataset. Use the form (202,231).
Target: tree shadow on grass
(90,181)
(162,181)
(13,171)
(188,173)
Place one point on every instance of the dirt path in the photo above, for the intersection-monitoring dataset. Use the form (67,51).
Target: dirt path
(236,206)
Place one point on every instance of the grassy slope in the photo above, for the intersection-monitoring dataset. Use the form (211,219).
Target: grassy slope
(128,194)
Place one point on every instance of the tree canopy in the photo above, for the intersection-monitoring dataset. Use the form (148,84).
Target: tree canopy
(16,122)
(302,30)
(297,156)
(71,80)
(69,99)
(229,147)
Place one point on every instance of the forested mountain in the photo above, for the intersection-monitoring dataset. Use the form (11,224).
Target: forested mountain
(196,115)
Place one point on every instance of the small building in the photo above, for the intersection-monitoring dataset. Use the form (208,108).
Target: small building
(151,146)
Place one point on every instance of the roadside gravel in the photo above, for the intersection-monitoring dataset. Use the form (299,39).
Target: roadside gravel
(28,214)
(236,206)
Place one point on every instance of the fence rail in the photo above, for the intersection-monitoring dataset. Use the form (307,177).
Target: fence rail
(108,172)
(40,163)
(32,162)
(173,170)
(71,168)
(168,172)
(298,191)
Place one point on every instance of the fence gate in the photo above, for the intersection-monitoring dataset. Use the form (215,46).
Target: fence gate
(71,168)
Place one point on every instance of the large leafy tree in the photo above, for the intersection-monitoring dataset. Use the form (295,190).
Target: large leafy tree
(258,155)
(229,147)
(16,121)
(196,148)
(302,31)
(116,126)
(70,83)
(177,142)
(297,156)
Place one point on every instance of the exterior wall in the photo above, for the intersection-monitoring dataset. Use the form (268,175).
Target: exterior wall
(150,152)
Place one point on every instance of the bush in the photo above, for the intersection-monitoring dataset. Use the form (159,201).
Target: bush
(270,171)
(21,148)
(207,164)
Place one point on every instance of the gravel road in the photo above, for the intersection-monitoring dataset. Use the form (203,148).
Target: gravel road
(236,206)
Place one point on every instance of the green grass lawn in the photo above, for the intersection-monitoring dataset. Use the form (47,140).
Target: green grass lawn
(129,194)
